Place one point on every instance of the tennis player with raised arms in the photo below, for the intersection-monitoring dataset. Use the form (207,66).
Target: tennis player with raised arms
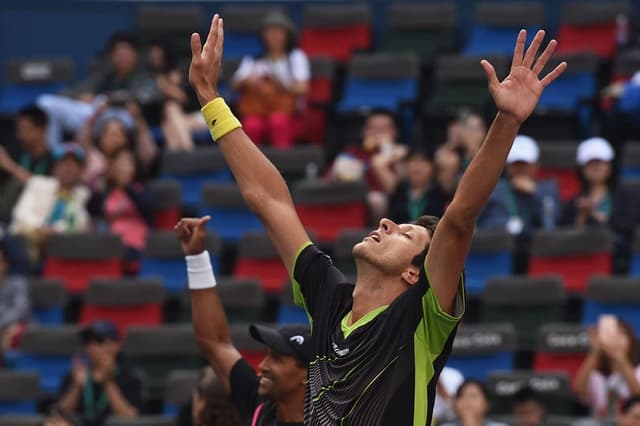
(378,345)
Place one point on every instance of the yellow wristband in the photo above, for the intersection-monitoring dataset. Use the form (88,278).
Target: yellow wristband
(219,118)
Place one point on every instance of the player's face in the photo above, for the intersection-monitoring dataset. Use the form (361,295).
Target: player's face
(280,375)
(392,247)
(529,413)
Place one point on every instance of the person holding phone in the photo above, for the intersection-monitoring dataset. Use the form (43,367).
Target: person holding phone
(610,374)
(100,384)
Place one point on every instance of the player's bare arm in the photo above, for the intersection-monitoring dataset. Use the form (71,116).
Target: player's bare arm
(262,187)
(516,98)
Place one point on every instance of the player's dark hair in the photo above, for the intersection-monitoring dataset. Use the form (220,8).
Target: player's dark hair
(526,394)
(34,114)
(629,403)
(472,382)
(429,222)
(121,37)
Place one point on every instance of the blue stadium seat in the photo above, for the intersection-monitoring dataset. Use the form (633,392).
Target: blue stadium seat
(230,217)
(242,30)
(613,295)
(490,256)
(193,169)
(630,167)
(496,25)
(289,312)
(480,349)
(48,351)
(163,257)
(26,79)
(19,392)
(380,81)
(48,300)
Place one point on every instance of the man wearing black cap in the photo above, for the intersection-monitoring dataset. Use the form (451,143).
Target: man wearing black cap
(101,385)
(276,395)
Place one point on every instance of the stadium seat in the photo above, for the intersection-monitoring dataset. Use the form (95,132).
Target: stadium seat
(170,25)
(229,67)
(618,296)
(252,350)
(230,216)
(489,256)
(76,258)
(625,65)
(425,29)
(459,81)
(258,258)
(167,198)
(380,81)
(630,161)
(242,298)
(561,347)
(327,207)
(140,421)
(343,249)
(288,311)
(553,388)
(294,163)
(574,254)
(590,26)
(22,420)
(163,257)
(19,392)
(193,170)
(48,351)
(480,349)
(311,124)
(242,30)
(635,259)
(157,351)
(557,162)
(125,302)
(179,390)
(48,300)
(496,25)
(26,79)
(336,31)
(526,302)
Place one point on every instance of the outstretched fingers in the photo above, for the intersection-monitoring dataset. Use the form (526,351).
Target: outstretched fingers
(212,37)
(518,51)
(491,73)
(196,47)
(532,51)
(217,51)
(553,74)
(542,60)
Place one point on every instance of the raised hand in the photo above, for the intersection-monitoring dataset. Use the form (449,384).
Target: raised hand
(517,95)
(192,234)
(206,62)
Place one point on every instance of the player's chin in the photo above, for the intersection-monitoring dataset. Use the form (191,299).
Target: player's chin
(265,388)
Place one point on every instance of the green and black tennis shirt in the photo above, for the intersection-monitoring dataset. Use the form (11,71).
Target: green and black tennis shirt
(382,369)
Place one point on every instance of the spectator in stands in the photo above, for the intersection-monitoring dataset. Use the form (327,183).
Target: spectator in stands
(448,170)
(448,383)
(56,204)
(418,194)
(272,87)
(35,157)
(529,408)
(125,205)
(122,81)
(378,160)
(211,405)
(472,405)
(630,412)
(58,417)
(521,204)
(610,373)
(177,125)
(103,385)
(277,394)
(470,134)
(107,131)
(14,302)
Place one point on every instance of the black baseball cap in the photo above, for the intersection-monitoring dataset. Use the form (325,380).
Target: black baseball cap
(100,331)
(292,340)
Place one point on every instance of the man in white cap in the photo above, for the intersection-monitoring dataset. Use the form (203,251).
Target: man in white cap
(521,203)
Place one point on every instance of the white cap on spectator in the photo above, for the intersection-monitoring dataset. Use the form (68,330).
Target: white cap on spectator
(524,149)
(594,149)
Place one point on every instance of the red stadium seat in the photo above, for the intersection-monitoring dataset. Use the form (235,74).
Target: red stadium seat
(336,31)
(257,258)
(77,258)
(312,123)
(328,207)
(561,347)
(557,162)
(574,254)
(166,203)
(125,302)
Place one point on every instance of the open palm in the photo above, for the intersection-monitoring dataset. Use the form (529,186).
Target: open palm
(206,61)
(517,95)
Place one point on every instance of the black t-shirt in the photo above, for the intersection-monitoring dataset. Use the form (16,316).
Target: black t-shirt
(381,370)
(244,395)
(93,407)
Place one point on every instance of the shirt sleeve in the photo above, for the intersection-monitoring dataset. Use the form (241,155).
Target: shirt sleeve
(300,68)
(244,389)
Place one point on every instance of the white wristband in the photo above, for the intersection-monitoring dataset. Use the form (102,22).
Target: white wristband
(200,272)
